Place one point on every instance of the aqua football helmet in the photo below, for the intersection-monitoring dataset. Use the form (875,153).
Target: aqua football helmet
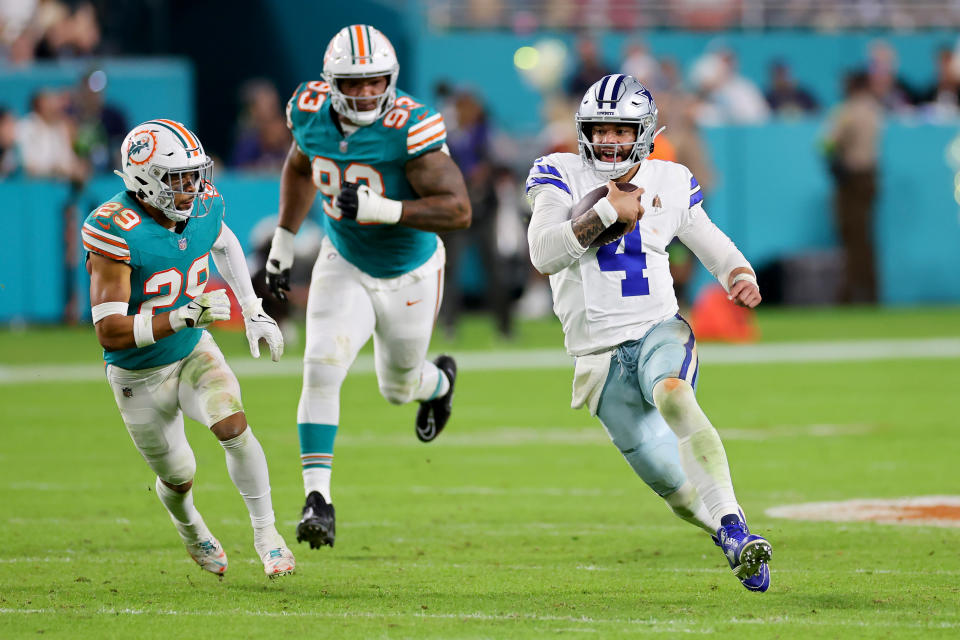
(360,51)
(616,98)
(161,159)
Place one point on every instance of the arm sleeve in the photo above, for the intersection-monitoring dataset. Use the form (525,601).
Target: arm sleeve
(711,245)
(232,264)
(553,246)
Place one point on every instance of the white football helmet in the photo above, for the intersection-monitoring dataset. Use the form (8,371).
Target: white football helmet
(162,158)
(360,51)
(616,98)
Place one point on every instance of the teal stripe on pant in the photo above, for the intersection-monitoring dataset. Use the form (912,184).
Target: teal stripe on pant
(316,439)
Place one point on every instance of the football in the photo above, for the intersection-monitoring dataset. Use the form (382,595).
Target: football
(614,231)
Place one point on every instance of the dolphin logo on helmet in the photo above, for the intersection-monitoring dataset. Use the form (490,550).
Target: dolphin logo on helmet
(162,158)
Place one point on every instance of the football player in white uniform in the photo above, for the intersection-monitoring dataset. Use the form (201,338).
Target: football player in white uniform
(148,254)
(636,358)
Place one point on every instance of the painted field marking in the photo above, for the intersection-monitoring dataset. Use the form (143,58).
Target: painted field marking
(929,511)
(720,354)
(650,624)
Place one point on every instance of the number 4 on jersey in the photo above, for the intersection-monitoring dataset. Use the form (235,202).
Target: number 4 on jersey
(633,261)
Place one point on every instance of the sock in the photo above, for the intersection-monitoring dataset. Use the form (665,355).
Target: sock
(185,517)
(316,456)
(247,467)
(687,505)
(267,538)
(433,383)
(701,451)
(317,417)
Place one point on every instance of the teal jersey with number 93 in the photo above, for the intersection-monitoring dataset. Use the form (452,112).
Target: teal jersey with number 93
(168,269)
(375,155)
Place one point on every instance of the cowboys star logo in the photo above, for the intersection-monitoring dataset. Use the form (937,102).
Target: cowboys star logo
(141,147)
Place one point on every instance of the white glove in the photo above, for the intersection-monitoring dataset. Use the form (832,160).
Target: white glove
(260,326)
(202,311)
(279,262)
(358,202)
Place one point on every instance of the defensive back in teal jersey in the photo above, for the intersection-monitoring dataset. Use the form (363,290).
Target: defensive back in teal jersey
(168,269)
(375,155)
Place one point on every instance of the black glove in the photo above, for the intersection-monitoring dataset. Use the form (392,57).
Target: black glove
(278,280)
(348,201)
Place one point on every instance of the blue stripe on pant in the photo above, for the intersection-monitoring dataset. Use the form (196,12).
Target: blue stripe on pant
(626,406)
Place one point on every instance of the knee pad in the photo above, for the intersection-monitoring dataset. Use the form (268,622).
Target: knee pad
(673,396)
(398,394)
(323,377)
(176,468)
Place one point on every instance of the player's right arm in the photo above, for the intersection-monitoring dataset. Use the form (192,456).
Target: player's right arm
(554,240)
(110,297)
(297,190)
(297,193)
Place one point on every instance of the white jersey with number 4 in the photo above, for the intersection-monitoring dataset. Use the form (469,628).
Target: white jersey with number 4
(616,293)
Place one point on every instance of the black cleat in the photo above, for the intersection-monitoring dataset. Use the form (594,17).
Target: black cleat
(318,524)
(433,414)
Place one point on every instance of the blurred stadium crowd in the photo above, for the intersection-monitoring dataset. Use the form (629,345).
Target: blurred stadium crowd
(824,15)
(71,134)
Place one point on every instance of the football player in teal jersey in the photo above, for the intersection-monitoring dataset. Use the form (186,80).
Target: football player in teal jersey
(387,186)
(148,251)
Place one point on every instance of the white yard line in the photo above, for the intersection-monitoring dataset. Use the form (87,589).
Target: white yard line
(648,624)
(712,354)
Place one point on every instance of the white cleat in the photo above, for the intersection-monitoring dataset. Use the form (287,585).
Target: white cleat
(277,559)
(208,554)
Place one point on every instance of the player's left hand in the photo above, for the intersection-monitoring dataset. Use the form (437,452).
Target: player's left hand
(745,294)
(260,326)
(358,202)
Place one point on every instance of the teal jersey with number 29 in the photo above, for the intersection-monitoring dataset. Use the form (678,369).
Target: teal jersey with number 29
(168,269)
(375,155)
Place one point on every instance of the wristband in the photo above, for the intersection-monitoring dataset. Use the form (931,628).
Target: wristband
(749,277)
(391,210)
(283,240)
(605,211)
(143,330)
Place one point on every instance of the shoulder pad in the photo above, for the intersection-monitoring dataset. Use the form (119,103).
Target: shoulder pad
(306,101)
(104,231)
(545,171)
(696,193)
(425,128)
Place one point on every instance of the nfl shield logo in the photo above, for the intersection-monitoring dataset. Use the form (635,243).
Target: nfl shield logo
(182,243)
(343,146)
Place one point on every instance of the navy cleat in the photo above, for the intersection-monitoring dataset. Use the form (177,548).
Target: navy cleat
(432,416)
(318,524)
(747,553)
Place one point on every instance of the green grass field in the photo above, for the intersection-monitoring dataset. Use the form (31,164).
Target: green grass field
(521,521)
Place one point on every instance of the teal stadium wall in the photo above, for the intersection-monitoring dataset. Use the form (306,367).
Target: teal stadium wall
(483,61)
(142,88)
(772,194)
(773,199)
